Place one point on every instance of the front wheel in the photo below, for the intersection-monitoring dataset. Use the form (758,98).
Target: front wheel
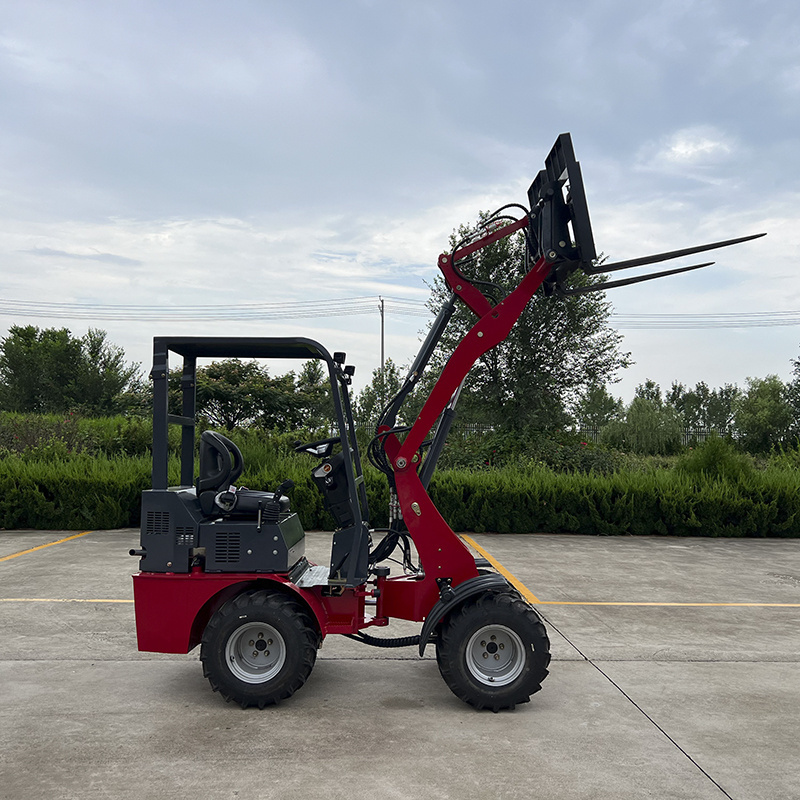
(259,648)
(493,652)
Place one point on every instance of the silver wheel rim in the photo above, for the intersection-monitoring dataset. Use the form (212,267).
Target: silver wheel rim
(495,655)
(255,652)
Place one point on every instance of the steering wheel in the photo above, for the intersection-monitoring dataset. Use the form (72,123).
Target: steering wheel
(322,448)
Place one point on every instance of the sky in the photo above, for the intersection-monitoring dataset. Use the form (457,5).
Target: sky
(196,158)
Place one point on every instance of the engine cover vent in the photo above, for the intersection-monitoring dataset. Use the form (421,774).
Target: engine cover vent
(228,546)
(184,537)
(157,523)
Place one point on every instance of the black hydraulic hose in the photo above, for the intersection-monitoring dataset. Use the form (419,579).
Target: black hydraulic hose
(386,546)
(482,228)
(473,281)
(389,413)
(375,641)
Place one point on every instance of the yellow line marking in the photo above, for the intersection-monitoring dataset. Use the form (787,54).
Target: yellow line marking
(514,581)
(531,597)
(42,546)
(518,584)
(57,600)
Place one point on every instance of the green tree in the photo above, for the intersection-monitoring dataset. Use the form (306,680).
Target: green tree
(51,371)
(763,415)
(104,377)
(372,399)
(558,348)
(649,428)
(719,409)
(702,407)
(690,404)
(314,404)
(233,393)
(650,390)
(793,396)
(230,392)
(596,407)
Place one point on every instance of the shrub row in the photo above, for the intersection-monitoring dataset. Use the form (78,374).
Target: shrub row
(86,492)
(667,502)
(47,437)
(78,494)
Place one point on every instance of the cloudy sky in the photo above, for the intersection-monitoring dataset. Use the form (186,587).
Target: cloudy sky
(186,154)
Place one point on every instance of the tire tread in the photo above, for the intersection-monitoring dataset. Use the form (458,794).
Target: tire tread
(276,603)
(452,634)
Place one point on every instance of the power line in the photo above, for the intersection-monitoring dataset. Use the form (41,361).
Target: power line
(752,319)
(362,305)
(242,311)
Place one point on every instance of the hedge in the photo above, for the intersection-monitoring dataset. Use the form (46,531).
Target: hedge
(97,492)
(760,504)
(75,494)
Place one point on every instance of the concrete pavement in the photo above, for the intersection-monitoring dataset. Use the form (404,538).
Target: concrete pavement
(674,675)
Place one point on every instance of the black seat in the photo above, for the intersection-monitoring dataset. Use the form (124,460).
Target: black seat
(221,464)
(248,502)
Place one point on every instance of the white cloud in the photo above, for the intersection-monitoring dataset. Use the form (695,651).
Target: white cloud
(700,152)
(693,146)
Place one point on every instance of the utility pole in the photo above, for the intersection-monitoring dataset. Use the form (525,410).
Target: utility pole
(383,359)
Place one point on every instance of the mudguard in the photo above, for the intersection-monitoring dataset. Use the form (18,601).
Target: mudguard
(456,597)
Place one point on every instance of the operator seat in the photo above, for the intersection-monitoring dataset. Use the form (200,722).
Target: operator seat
(221,464)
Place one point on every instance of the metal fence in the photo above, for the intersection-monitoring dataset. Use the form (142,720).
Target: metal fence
(690,436)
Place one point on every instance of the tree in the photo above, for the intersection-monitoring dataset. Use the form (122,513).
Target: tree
(650,390)
(376,394)
(233,393)
(597,407)
(649,428)
(104,377)
(52,371)
(793,396)
(702,407)
(762,414)
(689,404)
(558,348)
(314,402)
(719,409)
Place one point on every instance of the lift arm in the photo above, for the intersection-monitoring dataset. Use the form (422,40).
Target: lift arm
(559,242)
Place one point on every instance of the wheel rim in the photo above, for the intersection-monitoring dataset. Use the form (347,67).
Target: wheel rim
(495,655)
(255,652)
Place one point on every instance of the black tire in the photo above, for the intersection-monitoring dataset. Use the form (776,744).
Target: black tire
(259,648)
(493,651)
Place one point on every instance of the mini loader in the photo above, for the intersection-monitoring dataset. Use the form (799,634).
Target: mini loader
(224,567)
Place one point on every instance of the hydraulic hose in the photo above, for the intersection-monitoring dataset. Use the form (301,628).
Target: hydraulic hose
(376,641)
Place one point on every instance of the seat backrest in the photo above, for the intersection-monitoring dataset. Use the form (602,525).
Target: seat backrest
(220,462)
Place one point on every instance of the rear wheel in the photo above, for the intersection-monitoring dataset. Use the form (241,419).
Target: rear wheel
(259,648)
(493,652)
